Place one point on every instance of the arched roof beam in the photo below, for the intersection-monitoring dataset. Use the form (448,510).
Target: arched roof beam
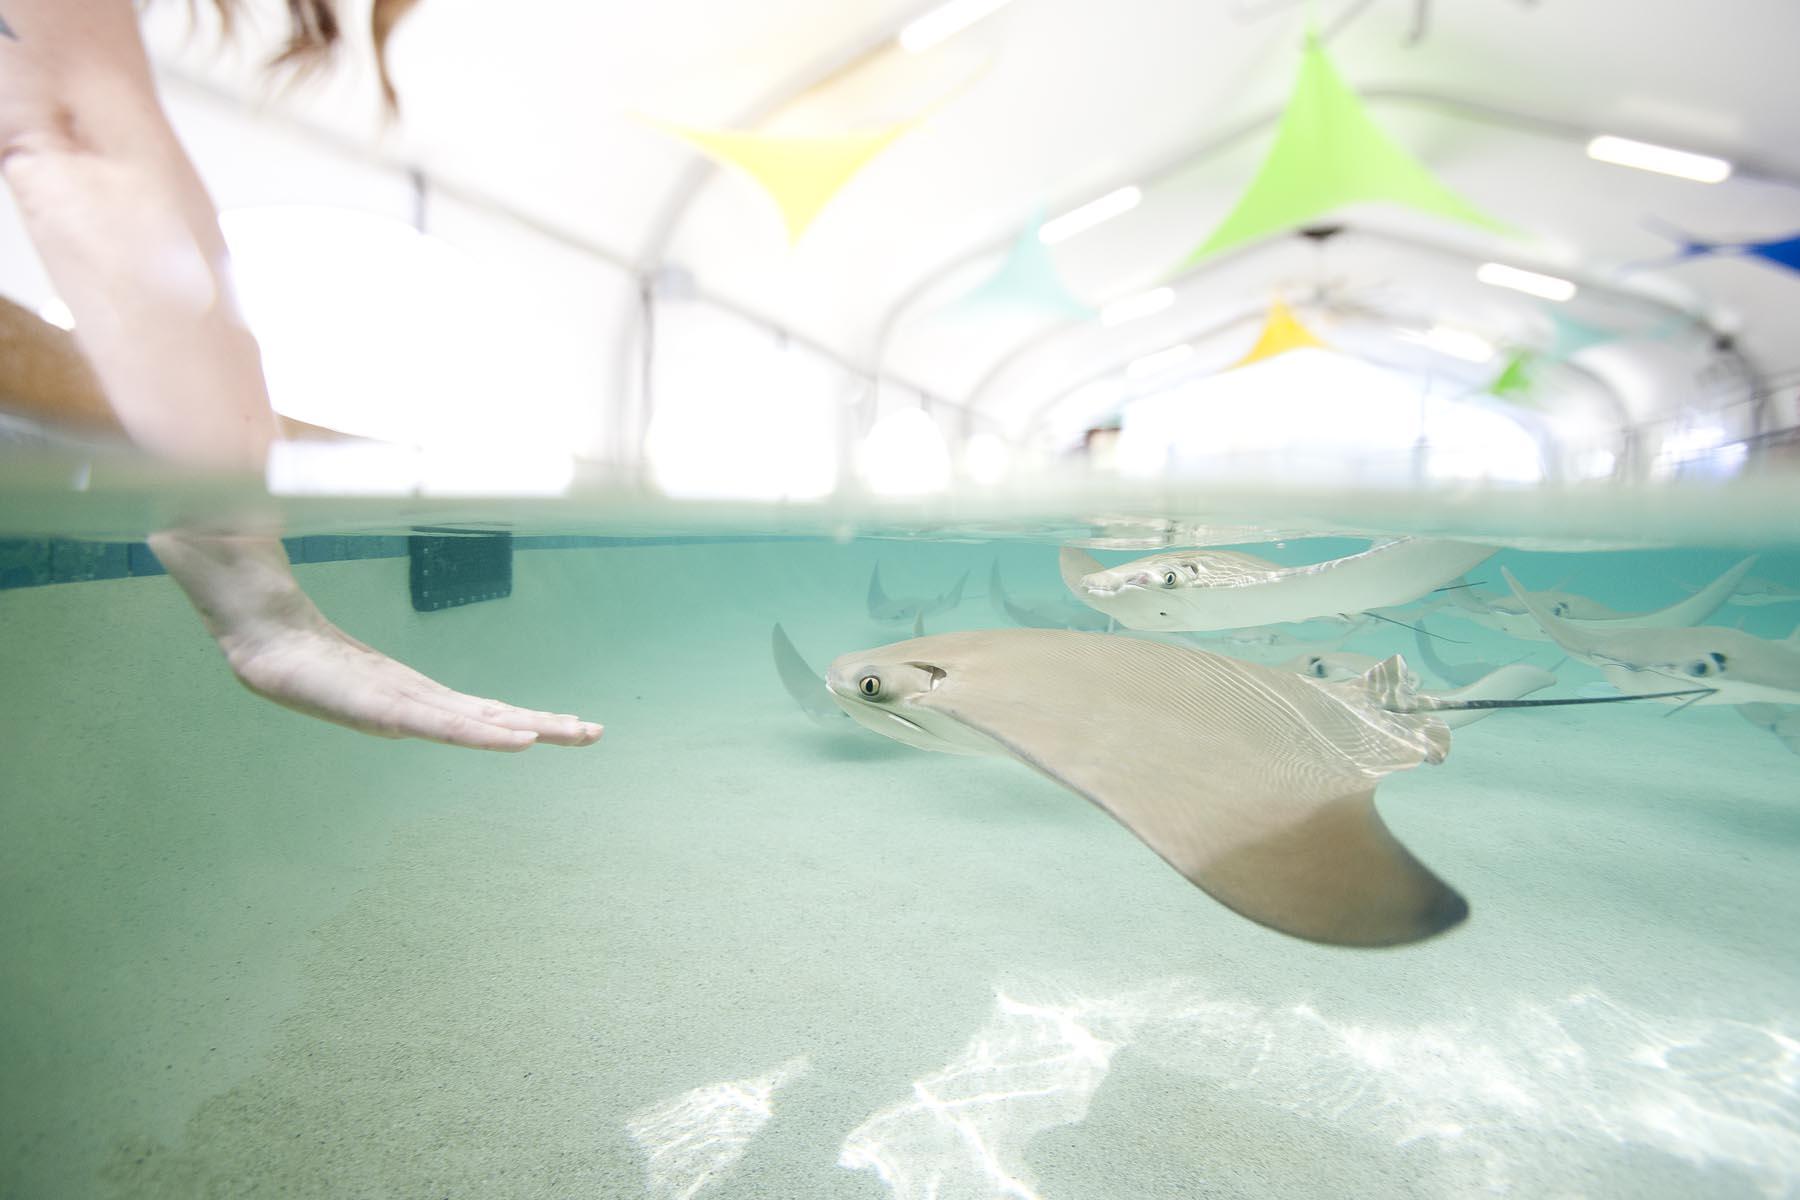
(1657,306)
(1218,143)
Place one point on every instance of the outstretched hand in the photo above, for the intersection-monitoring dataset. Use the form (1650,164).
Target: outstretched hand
(282,648)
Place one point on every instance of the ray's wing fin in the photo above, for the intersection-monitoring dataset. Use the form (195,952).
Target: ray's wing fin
(878,599)
(954,597)
(1782,720)
(1572,638)
(1339,876)
(1074,563)
(1760,714)
(1702,604)
(1458,675)
(1788,730)
(1269,809)
(1018,614)
(1505,683)
(997,592)
(806,686)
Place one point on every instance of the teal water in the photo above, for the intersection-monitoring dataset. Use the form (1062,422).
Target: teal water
(731,953)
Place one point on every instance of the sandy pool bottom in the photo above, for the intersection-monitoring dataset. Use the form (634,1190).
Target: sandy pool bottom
(729,954)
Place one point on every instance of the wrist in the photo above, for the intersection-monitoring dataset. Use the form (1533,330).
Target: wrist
(240,584)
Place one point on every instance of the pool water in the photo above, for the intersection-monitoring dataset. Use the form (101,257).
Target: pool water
(731,952)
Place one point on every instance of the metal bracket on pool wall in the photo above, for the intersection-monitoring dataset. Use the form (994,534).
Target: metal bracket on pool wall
(461,568)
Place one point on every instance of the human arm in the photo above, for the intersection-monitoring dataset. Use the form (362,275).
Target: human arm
(131,240)
(281,647)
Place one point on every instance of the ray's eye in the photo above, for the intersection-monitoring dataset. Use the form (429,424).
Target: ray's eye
(1559,609)
(1712,664)
(869,685)
(1170,579)
(1315,666)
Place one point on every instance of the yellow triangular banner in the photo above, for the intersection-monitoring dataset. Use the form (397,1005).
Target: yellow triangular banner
(801,174)
(1281,332)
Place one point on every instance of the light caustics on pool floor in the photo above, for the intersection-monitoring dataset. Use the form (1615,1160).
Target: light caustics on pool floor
(1486,1092)
(697,1137)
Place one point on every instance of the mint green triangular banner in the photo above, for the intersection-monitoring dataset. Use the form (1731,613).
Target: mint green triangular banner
(1328,153)
(1027,280)
(1569,336)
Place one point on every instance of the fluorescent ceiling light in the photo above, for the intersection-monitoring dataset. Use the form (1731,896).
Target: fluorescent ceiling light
(1114,203)
(1151,364)
(945,22)
(1457,343)
(1647,156)
(1131,308)
(1547,287)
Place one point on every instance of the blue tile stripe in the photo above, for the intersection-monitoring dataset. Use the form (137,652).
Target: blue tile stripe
(32,562)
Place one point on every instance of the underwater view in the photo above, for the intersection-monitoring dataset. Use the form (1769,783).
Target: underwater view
(749,946)
(904,600)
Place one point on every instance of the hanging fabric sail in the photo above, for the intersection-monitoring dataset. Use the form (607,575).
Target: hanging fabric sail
(1569,336)
(1281,332)
(1025,281)
(1515,382)
(1328,152)
(1781,252)
(801,174)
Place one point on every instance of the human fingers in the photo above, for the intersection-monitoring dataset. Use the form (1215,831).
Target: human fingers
(556,729)
(418,716)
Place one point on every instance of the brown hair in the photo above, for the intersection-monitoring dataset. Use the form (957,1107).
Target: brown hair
(314,33)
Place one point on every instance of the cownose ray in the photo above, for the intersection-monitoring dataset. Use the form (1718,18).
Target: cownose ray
(1257,785)
(912,609)
(1732,666)
(1224,589)
(1503,687)
(1782,720)
(1045,615)
(1512,682)
(1460,674)
(1508,614)
(1756,593)
(1334,666)
(1262,642)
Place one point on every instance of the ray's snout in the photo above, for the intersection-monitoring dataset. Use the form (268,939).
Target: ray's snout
(838,679)
(1111,583)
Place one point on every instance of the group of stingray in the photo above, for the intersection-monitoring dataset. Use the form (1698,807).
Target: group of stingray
(1256,782)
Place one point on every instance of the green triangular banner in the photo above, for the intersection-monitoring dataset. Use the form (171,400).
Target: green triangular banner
(1514,381)
(1328,152)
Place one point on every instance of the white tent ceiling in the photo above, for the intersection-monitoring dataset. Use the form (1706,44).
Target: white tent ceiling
(537,107)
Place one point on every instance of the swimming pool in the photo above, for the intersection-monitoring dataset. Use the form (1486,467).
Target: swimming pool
(731,952)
